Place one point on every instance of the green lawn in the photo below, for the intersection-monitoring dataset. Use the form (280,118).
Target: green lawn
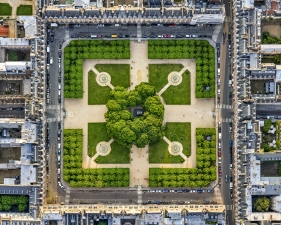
(5,9)
(120,73)
(118,154)
(179,95)
(96,133)
(180,132)
(158,74)
(158,153)
(24,10)
(97,95)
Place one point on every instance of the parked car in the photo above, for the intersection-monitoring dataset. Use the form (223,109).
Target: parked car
(219,153)
(199,191)
(166,35)
(226,178)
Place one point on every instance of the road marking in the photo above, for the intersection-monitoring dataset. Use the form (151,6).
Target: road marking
(53,107)
(227,120)
(224,106)
(139,30)
(67,197)
(139,194)
(50,120)
(230,207)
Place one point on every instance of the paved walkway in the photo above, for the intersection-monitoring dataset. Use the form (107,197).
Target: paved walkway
(199,113)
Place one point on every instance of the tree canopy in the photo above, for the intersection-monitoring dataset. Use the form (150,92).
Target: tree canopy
(121,124)
(262,204)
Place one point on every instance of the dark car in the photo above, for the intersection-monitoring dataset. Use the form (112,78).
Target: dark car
(152,36)
(218,45)
(59,79)
(178,36)
(179,191)
(59,125)
(186,190)
(73,36)
(127,36)
(144,36)
(165,191)
(199,191)
(121,36)
(210,190)
(218,53)
(59,100)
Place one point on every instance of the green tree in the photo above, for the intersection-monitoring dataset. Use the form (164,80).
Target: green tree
(262,204)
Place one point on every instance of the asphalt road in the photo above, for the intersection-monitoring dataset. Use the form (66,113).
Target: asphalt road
(132,30)
(225,115)
(130,196)
(53,114)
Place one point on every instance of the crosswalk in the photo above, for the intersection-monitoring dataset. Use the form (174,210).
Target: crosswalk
(230,207)
(139,30)
(67,197)
(49,120)
(224,106)
(139,195)
(53,107)
(226,120)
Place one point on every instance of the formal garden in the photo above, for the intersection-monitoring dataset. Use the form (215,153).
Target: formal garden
(76,176)
(78,50)
(200,50)
(134,117)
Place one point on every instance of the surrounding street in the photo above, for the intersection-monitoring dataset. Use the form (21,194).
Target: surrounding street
(54,114)
(225,117)
(130,196)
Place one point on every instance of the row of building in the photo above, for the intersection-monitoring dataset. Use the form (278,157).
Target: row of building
(257,100)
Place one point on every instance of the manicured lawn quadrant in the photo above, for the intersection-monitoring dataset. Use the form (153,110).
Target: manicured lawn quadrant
(158,153)
(180,132)
(120,73)
(180,94)
(97,133)
(201,50)
(76,176)
(158,74)
(201,176)
(118,155)
(24,10)
(5,9)
(97,95)
(78,50)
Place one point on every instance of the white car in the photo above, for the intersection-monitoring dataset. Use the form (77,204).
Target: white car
(219,91)
(193,191)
